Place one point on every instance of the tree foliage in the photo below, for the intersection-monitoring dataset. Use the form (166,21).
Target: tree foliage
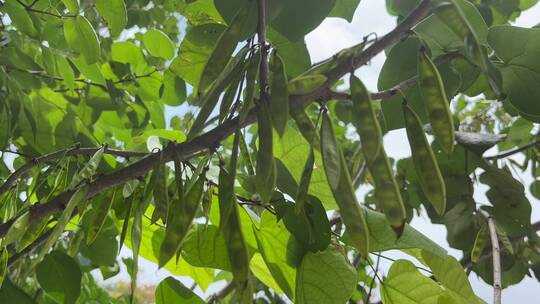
(199,134)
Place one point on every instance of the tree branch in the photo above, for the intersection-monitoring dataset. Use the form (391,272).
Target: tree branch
(515,151)
(220,295)
(14,177)
(212,138)
(496,252)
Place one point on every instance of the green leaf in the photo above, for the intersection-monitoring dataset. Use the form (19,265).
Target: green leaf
(405,284)
(292,151)
(89,168)
(344,9)
(262,273)
(10,293)
(158,44)
(76,198)
(280,251)
(195,50)
(114,13)
(383,238)
(519,68)
(103,249)
(174,89)
(451,275)
(81,37)
(204,246)
(325,277)
(17,229)
(170,290)
(295,55)
(72,6)
(310,225)
(20,18)
(60,276)
(101,210)
(65,71)
(293,21)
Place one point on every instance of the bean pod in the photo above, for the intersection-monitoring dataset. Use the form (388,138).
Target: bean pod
(387,192)
(365,120)
(279,96)
(180,217)
(425,164)
(352,214)
(435,102)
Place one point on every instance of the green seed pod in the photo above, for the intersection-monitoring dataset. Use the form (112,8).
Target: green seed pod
(265,179)
(279,96)
(425,164)
(340,183)
(4,257)
(180,217)
(222,51)
(365,120)
(387,192)
(306,84)
(305,125)
(209,99)
(479,243)
(435,102)
(230,221)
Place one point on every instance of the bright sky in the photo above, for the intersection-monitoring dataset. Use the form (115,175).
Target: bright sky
(330,37)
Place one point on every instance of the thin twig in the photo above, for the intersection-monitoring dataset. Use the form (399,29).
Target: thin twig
(30,9)
(220,295)
(496,252)
(372,283)
(515,151)
(12,179)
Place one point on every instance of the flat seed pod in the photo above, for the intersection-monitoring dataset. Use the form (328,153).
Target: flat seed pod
(435,102)
(230,223)
(180,217)
(306,84)
(340,183)
(279,96)
(479,243)
(265,178)
(305,125)
(210,98)
(305,180)
(364,119)
(4,257)
(223,50)
(427,170)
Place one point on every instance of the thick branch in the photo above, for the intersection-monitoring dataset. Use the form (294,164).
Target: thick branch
(14,177)
(211,139)
(496,252)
